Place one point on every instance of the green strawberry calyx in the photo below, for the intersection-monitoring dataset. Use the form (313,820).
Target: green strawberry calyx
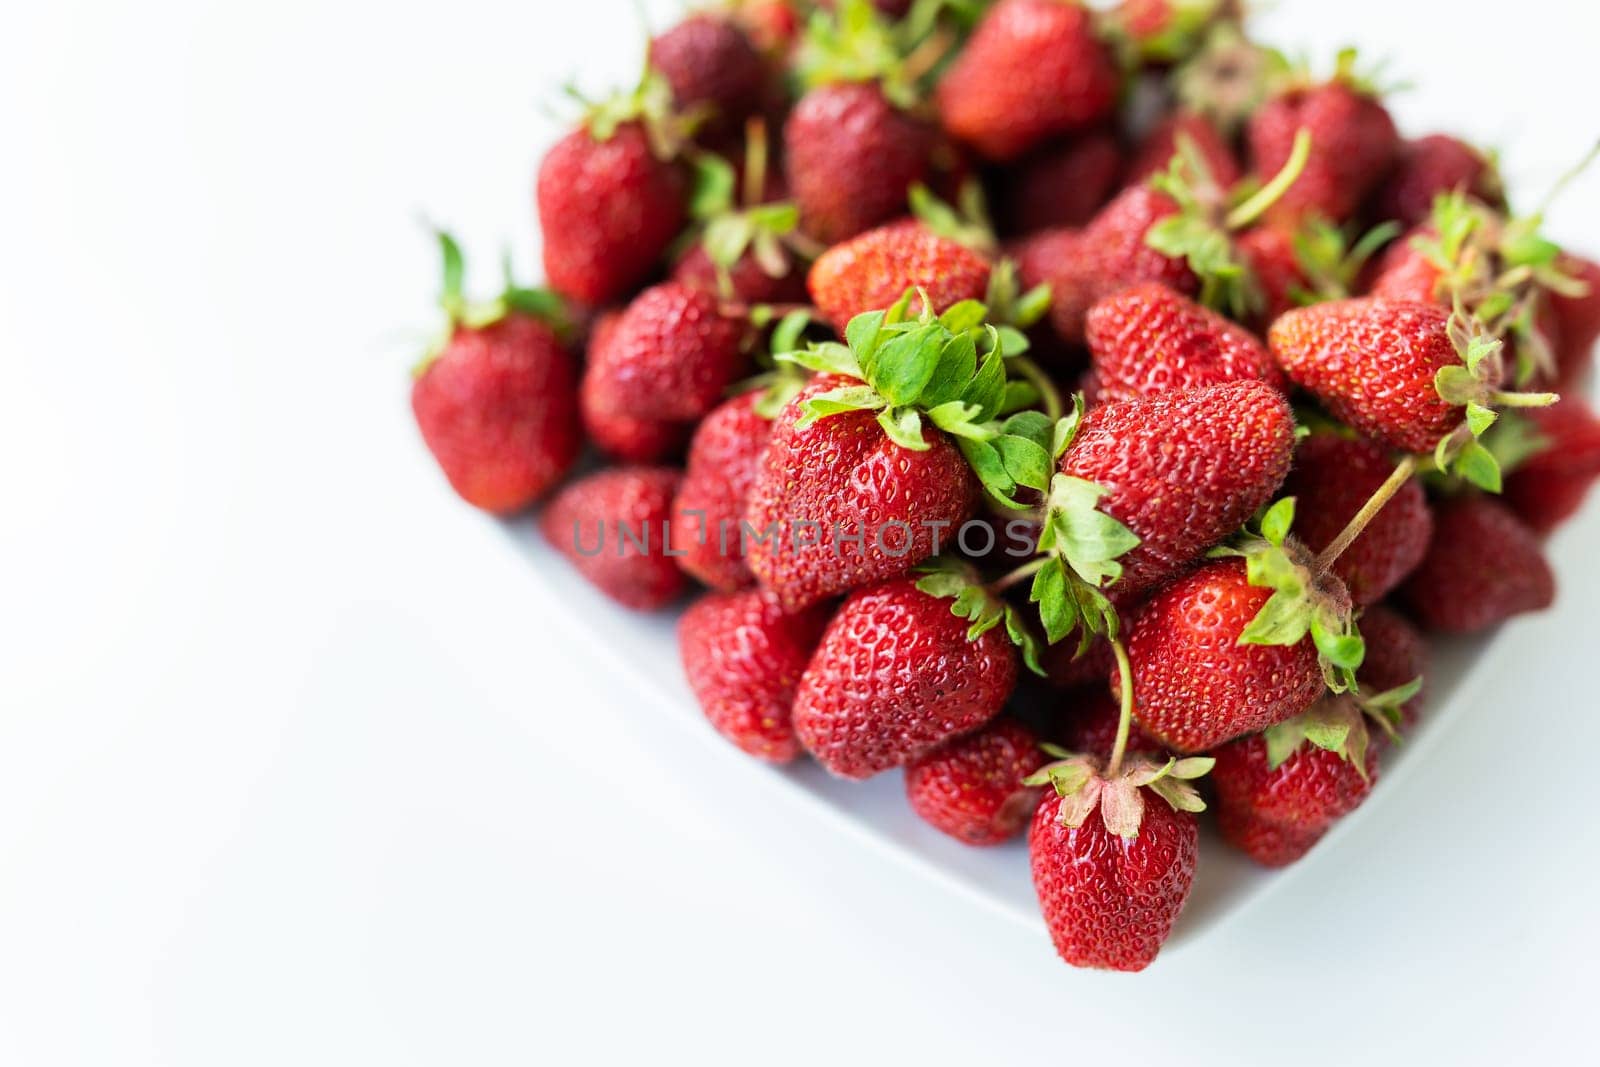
(1182,30)
(1330,262)
(735,221)
(1334,724)
(966,222)
(855,43)
(1475,385)
(982,605)
(462,313)
(651,104)
(1085,785)
(1229,77)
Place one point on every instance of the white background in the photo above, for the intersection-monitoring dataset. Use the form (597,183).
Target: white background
(298,764)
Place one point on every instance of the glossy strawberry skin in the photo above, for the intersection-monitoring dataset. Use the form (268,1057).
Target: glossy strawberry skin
(671,355)
(1547,489)
(1032,69)
(1371,363)
(1353,144)
(710,63)
(497,410)
(1483,567)
(1428,166)
(845,475)
(743,656)
(1275,816)
(894,677)
(1111,902)
(971,788)
(1148,339)
(1397,653)
(1195,686)
(1062,184)
(723,460)
(611,526)
(748,281)
(627,438)
(873,271)
(607,210)
(1333,477)
(1159,146)
(1183,470)
(850,158)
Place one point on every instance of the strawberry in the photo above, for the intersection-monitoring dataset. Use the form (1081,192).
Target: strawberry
(1062,184)
(495,398)
(1353,145)
(671,355)
(612,526)
(894,676)
(611,197)
(872,271)
(711,65)
(1483,567)
(743,655)
(1195,684)
(1158,147)
(1407,273)
(628,438)
(1061,259)
(1547,488)
(1577,319)
(1091,722)
(1397,655)
(1149,339)
(1279,792)
(1031,70)
(971,788)
(1428,166)
(723,460)
(1332,478)
(748,280)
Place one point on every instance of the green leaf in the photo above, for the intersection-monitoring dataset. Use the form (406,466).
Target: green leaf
(1057,611)
(956,364)
(786,335)
(1477,465)
(1283,740)
(904,363)
(539,304)
(1343,648)
(1283,620)
(1034,425)
(1011,341)
(1025,461)
(987,390)
(1020,395)
(1023,637)
(861,335)
(990,469)
(1456,384)
(714,183)
(727,238)
(830,357)
(904,427)
(1089,540)
(1480,418)
(1066,430)
(451,291)
(1033,307)
(965,316)
(1276,522)
(836,401)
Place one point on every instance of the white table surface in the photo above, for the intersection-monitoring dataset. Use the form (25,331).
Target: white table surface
(296,765)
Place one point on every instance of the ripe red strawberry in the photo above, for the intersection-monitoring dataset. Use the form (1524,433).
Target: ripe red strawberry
(1062,184)
(608,209)
(851,157)
(1091,721)
(1483,567)
(710,64)
(612,526)
(1397,654)
(1183,470)
(1061,258)
(672,355)
(743,656)
(841,479)
(1577,320)
(1278,794)
(1405,273)
(1148,339)
(723,460)
(871,272)
(1194,684)
(1372,364)
(1332,478)
(1353,145)
(1110,901)
(627,438)
(1428,166)
(1547,488)
(1031,70)
(1156,149)
(495,401)
(971,788)
(895,676)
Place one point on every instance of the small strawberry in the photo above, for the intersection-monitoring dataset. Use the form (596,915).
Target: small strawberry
(1548,487)
(723,460)
(1031,70)
(1333,478)
(1062,184)
(1149,339)
(1158,147)
(971,788)
(710,65)
(895,676)
(1483,567)
(872,271)
(1280,791)
(1311,263)
(611,196)
(627,438)
(1397,655)
(1428,166)
(743,656)
(612,526)
(495,398)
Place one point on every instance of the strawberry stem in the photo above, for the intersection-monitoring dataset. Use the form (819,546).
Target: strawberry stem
(1253,208)
(1018,576)
(755,161)
(1506,399)
(1125,716)
(1036,377)
(1369,511)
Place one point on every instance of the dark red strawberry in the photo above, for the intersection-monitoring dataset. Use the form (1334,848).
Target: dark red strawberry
(1577,320)
(1091,719)
(723,460)
(1547,488)
(1148,339)
(1183,470)
(1278,793)
(743,656)
(1332,479)
(1483,567)
(1397,654)
(895,676)
(871,272)
(1062,184)
(971,788)
(625,437)
(612,526)
(1353,146)
(1031,70)
(1195,685)
(1160,145)
(851,157)
(671,355)
(495,401)
(711,65)
(1428,166)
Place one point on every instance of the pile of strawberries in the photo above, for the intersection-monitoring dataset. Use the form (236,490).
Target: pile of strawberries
(1087,413)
